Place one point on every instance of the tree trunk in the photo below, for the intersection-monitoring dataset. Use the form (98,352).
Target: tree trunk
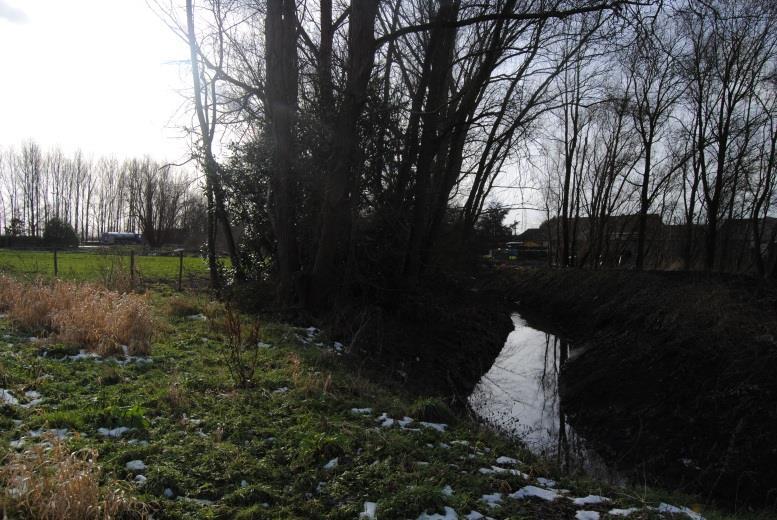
(336,207)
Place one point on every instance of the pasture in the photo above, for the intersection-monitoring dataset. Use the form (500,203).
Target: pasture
(99,264)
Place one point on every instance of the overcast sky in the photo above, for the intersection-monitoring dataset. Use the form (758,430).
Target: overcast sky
(103,75)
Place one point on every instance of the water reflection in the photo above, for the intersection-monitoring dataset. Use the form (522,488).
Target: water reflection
(519,395)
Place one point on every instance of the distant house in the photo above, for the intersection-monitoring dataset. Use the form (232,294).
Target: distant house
(533,238)
(614,241)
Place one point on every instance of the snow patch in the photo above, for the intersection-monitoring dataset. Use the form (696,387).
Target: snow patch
(533,491)
(506,460)
(403,422)
(332,464)
(385,421)
(586,515)
(450,514)
(135,465)
(590,499)
(668,508)
(447,491)
(7,397)
(440,427)
(623,512)
(492,500)
(59,433)
(361,411)
(82,354)
(496,470)
(114,433)
(370,509)
(542,481)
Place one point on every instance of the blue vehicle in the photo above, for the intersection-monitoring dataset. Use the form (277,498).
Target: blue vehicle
(115,237)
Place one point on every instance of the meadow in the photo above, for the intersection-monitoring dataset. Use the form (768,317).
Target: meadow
(293,430)
(94,265)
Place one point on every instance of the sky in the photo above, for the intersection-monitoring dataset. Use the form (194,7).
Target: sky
(105,76)
(110,78)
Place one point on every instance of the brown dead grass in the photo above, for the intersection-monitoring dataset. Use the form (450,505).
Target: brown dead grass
(81,314)
(51,483)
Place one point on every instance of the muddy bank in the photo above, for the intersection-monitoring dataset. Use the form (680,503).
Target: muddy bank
(437,341)
(677,383)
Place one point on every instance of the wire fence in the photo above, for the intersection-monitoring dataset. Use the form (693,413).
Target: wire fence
(135,267)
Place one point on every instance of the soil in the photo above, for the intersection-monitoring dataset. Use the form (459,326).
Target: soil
(437,341)
(677,380)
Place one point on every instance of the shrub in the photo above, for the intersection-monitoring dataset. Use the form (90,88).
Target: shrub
(59,233)
(181,306)
(116,275)
(54,484)
(241,351)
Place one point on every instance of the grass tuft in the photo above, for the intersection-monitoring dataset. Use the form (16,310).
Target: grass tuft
(81,314)
(52,483)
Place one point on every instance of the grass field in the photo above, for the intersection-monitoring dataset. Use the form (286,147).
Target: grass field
(86,265)
(310,438)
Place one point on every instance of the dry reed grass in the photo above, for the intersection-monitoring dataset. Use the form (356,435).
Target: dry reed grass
(81,314)
(49,482)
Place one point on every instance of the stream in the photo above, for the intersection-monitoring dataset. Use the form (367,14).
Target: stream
(519,396)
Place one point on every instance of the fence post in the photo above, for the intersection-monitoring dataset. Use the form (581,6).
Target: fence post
(56,267)
(132,269)
(180,271)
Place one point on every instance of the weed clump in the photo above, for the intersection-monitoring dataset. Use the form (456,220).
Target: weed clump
(241,350)
(81,314)
(180,307)
(54,483)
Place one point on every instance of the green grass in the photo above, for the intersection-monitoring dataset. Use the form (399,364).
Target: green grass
(94,266)
(259,453)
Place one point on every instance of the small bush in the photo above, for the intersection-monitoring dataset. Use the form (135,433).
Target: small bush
(177,399)
(432,409)
(215,312)
(117,276)
(59,233)
(181,306)
(241,351)
(108,375)
(53,483)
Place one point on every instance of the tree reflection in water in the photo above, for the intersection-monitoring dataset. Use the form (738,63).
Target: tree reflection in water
(520,396)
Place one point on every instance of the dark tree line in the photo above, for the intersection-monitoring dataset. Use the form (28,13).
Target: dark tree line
(367,133)
(675,118)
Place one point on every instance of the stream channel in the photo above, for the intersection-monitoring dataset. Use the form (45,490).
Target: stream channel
(519,396)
